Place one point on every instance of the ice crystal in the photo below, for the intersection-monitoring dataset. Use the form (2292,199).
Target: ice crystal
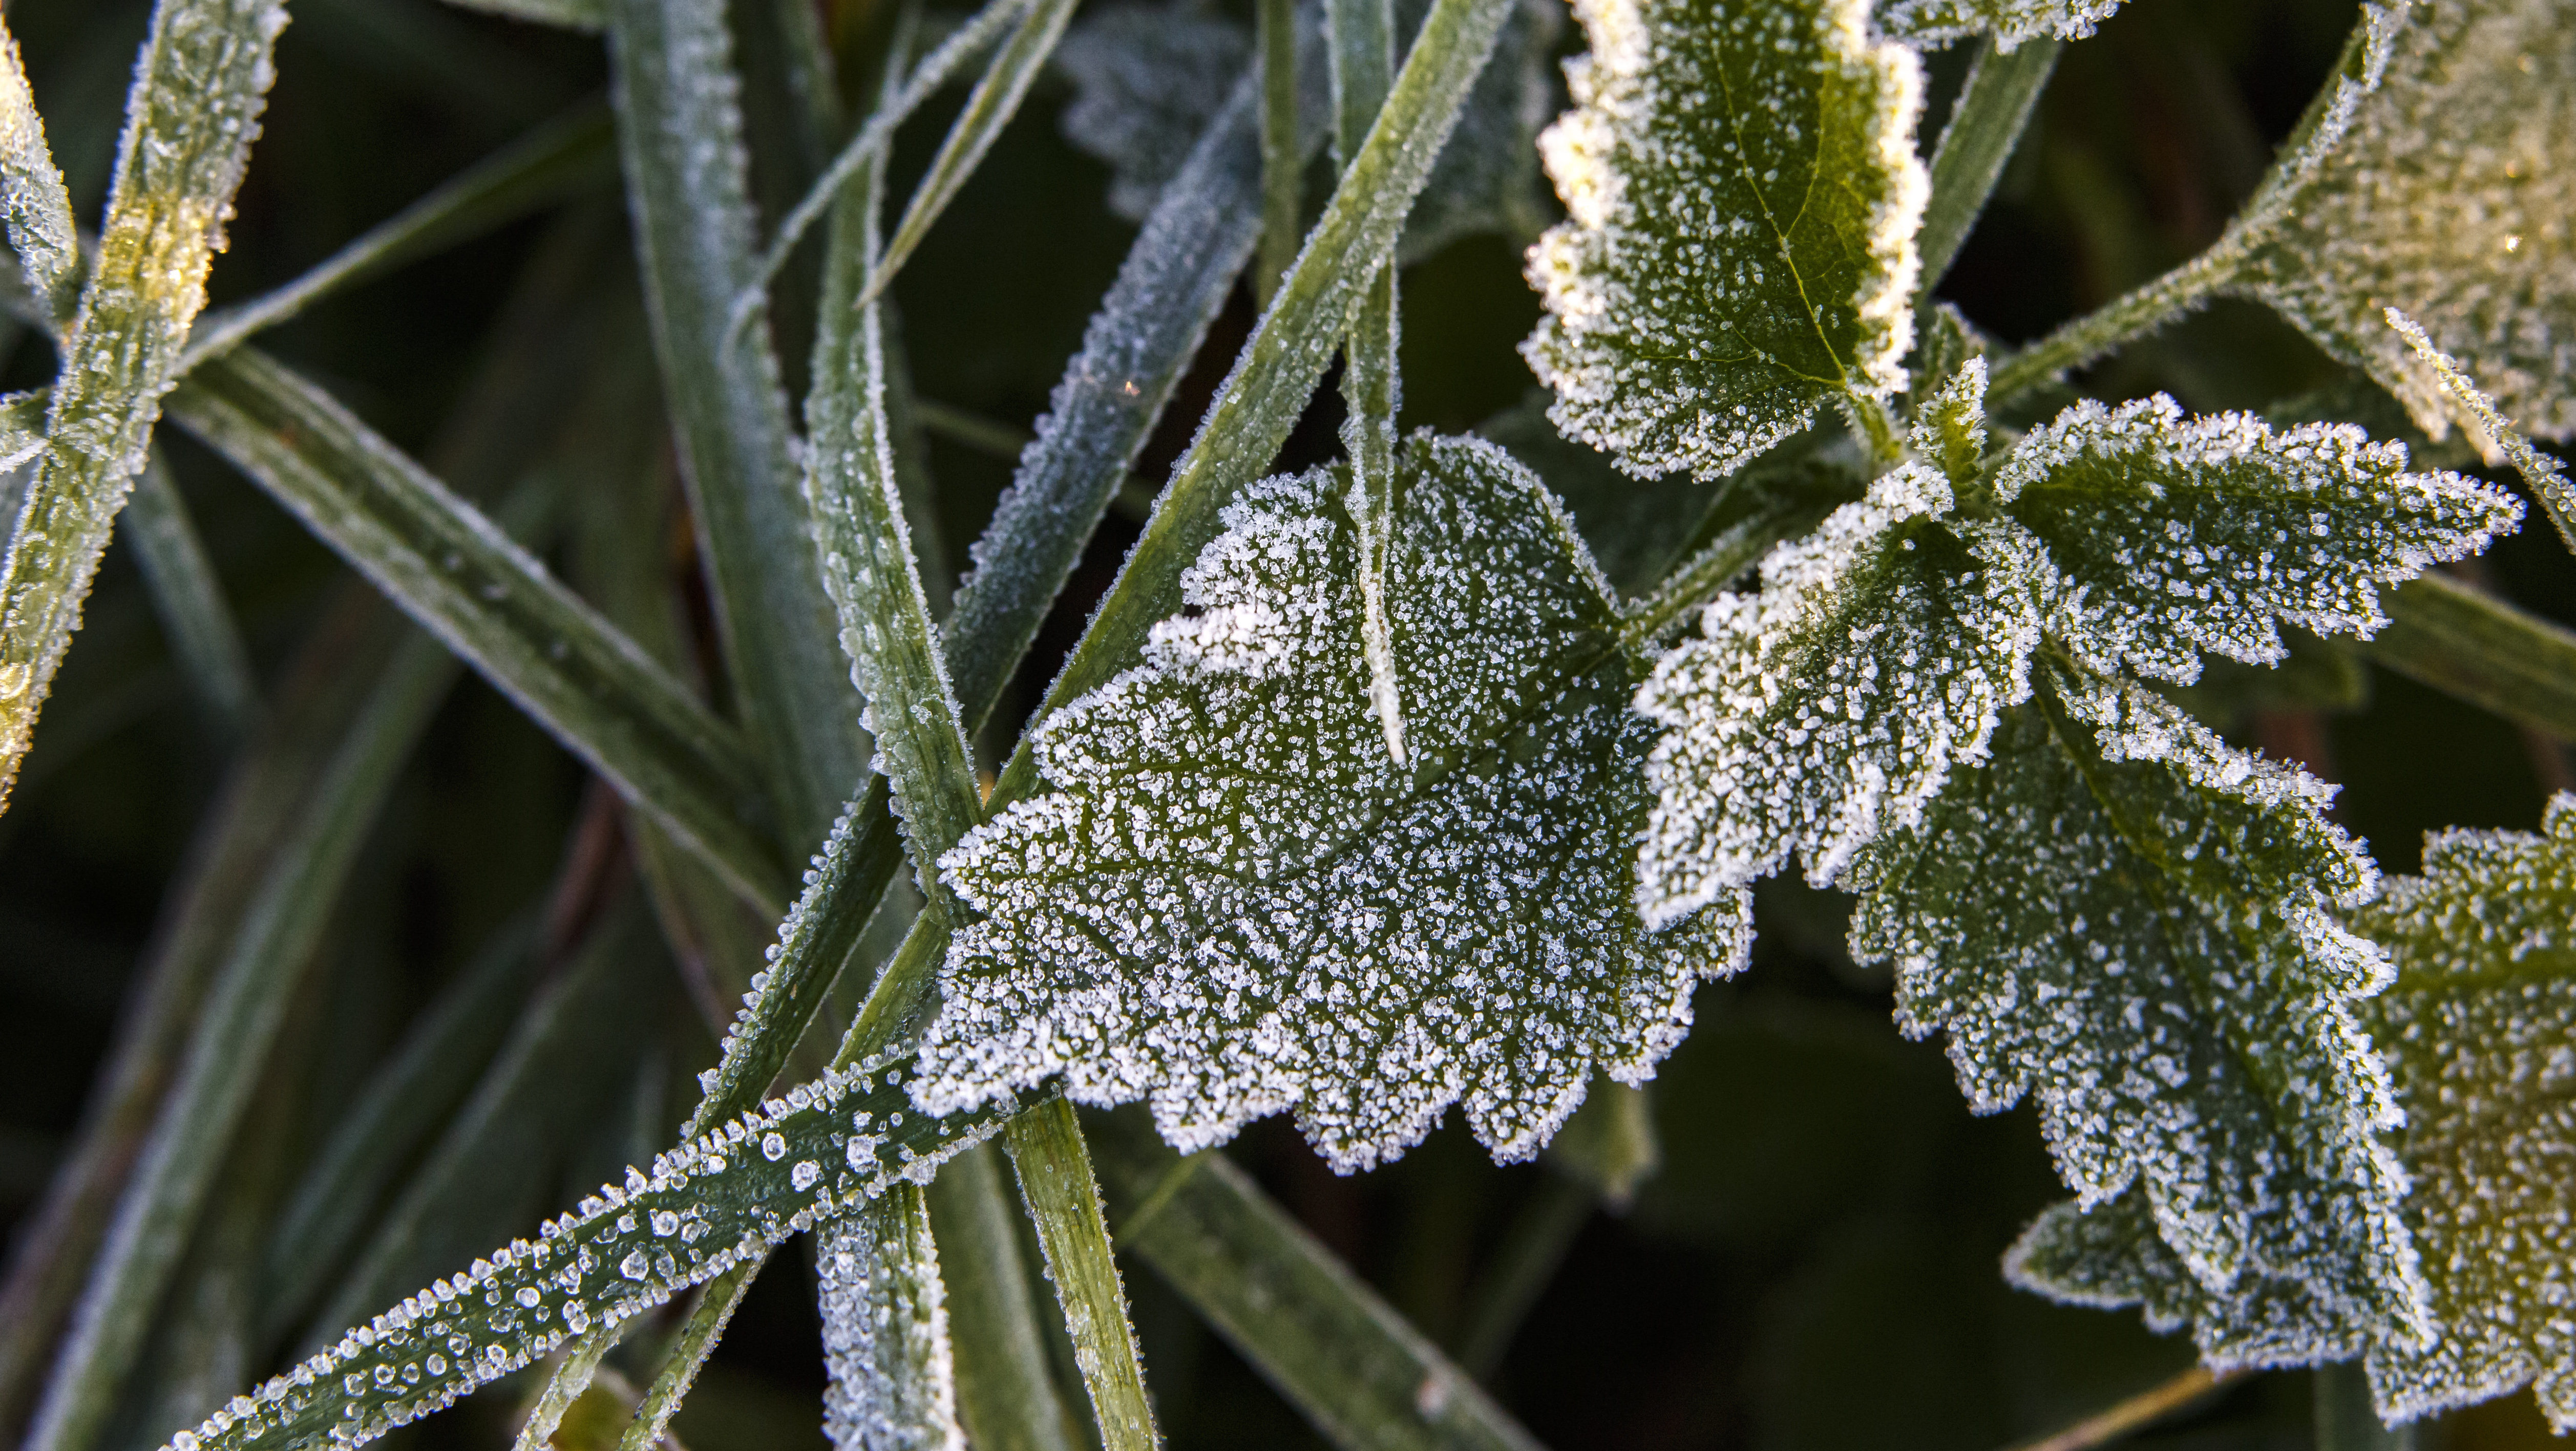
(2129,921)
(2176,536)
(1742,194)
(1837,700)
(2010,22)
(2480,1034)
(1235,903)
(893,1383)
(2449,192)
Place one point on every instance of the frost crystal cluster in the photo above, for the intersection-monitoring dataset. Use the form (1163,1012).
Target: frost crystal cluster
(885,1331)
(2010,22)
(1235,903)
(1741,193)
(2451,194)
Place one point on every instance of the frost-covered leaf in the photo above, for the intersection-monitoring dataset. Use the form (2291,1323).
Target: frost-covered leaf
(1742,193)
(2010,22)
(893,1385)
(1235,903)
(2479,1032)
(1147,79)
(2449,193)
(2128,921)
(1837,701)
(2177,536)
(2546,476)
(828,1147)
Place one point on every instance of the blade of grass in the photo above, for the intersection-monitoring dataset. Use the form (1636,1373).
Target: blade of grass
(680,131)
(1986,122)
(194,108)
(33,202)
(1063,1199)
(2474,647)
(204,640)
(226,1048)
(493,603)
(569,14)
(1358,1371)
(1005,1392)
(989,107)
(1363,52)
(420,1087)
(567,155)
(1531,1252)
(1283,161)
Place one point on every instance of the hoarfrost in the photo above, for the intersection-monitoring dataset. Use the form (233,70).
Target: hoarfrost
(2129,921)
(2497,437)
(2010,22)
(2177,536)
(2451,193)
(1742,195)
(893,1382)
(1235,903)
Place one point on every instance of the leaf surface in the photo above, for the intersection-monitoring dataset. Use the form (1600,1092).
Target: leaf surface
(1234,902)
(1742,193)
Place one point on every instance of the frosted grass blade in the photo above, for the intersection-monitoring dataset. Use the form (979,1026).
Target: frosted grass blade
(1363,51)
(32,200)
(680,130)
(2546,476)
(1006,1395)
(204,638)
(995,99)
(1064,1201)
(227,1048)
(493,603)
(1276,372)
(198,89)
(565,156)
(1987,120)
(570,14)
(715,1203)
(1358,1371)
(427,1077)
(1282,159)
(893,1386)
(2474,647)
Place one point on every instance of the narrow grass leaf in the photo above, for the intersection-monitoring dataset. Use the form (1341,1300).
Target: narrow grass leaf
(198,89)
(1986,121)
(893,1385)
(32,200)
(2546,476)
(1063,1200)
(1283,162)
(2472,646)
(569,14)
(227,1048)
(494,604)
(715,1202)
(570,154)
(1006,1395)
(204,638)
(1355,1368)
(1363,55)
(681,133)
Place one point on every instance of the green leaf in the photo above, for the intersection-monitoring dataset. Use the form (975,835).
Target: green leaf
(204,639)
(708,1206)
(1742,193)
(2176,536)
(32,200)
(1986,122)
(461,577)
(570,14)
(2011,22)
(1835,703)
(1006,1394)
(2130,922)
(1063,1199)
(1154,923)
(2445,191)
(2476,1031)
(198,89)
(1486,181)
(2546,476)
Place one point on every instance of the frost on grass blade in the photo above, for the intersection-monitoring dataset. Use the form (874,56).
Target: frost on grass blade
(1487,178)
(1235,903)
(1836,702)
(2451,193)
(893,1385)
(2010,22)
(1147,79)
(2546,476)
(2129,921)
(826,1148)
(2479,1032)
(2176,536)
(1742,193)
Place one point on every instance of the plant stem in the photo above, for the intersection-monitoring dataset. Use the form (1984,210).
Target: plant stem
(1524,1263)
(2106,1426)
(2141,311)
(1985,123)
(1696,579)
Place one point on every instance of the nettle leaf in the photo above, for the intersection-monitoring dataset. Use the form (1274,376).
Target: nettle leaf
(2451,193)
(827,1148)
(2129,921)
(1742,193)
(2176,536)
(2010,22)
(2480,1033)
(1234,902)
(1837,701)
